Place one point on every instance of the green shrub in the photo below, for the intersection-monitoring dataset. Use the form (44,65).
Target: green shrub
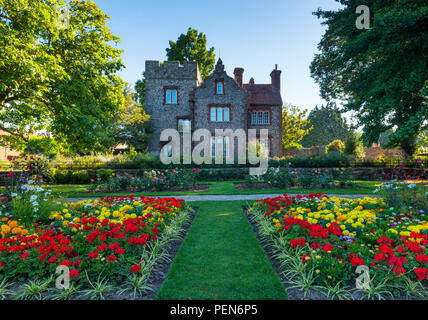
(60,176)
(80,177)
(104,174)
(354,146)
(43,145)
(335,146)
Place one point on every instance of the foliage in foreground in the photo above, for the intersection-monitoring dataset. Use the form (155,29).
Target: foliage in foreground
(107,243)
(382,78)
(321,241)
(58,76)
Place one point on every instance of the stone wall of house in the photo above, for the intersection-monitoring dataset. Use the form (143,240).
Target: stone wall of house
(234,97)
(275,127)
(168,74)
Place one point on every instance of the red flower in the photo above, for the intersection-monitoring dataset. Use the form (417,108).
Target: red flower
(401,249)
(24,255)
(355,260)
(297,242)
(92,236)
(421,273)
(52,259)
(379,257)
(65,263)
(74,273)
(1,264)
(305,258)
(111,258)
(315,245)
(422,258)
(327,247)
(135,268)
(93,255)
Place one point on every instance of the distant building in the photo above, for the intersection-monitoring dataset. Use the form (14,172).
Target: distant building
(7,153)
(177,97)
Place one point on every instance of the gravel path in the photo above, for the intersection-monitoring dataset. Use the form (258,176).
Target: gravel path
(239,197)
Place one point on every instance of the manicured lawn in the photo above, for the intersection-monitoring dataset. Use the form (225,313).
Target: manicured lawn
(221,258)
(219,188)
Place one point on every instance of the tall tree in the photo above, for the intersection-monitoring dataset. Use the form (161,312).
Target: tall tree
(58,72)
(328,125)
(192,46)
(140,91)
(381,72)
(132,126)
(294,126)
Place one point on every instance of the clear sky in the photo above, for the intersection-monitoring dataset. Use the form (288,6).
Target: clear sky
(251,34)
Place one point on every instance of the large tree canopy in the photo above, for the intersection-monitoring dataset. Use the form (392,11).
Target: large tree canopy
(294,125)
(192,46)
(132,126)
(381,73)
(328,125)
(58,72)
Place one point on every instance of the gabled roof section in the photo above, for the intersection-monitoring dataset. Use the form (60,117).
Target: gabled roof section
(262,94)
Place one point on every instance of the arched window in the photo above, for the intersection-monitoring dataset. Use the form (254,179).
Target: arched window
(219,87)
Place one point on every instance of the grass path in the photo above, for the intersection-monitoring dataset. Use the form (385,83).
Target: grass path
(220,258)
(218,188)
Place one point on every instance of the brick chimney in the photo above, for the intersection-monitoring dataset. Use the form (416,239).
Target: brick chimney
(238,72)
(275,76)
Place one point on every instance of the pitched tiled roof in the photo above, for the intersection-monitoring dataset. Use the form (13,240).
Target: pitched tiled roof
(263,94)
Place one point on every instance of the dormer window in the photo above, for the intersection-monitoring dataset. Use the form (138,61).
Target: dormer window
(219,87)
(171,95)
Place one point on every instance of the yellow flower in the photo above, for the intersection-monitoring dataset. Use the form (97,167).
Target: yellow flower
(5,229)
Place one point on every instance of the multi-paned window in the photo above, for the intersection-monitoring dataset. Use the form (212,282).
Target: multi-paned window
(219,114)
(171,95)
(183,125)
(260,117)
(220,143)
(219,87)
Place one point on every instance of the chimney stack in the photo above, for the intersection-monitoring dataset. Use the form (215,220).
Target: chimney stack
(275,76)
(238,72)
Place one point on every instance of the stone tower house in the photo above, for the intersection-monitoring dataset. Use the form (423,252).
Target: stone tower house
(176,97)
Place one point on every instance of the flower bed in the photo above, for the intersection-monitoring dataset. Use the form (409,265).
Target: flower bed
(286,178)
(148,181)
(111,243)
(321,241)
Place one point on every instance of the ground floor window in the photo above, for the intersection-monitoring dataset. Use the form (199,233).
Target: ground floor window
(183,125)
(222,143)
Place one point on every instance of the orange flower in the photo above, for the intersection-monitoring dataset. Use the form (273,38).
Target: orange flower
(13,223)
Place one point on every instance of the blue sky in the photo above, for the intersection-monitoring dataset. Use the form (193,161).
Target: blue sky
(251,34)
